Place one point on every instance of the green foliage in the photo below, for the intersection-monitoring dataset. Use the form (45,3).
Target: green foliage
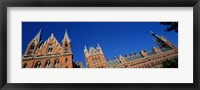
(171,26)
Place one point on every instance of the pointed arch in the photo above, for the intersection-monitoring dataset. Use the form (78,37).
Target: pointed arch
(57,62)
(48,64)
(37,64)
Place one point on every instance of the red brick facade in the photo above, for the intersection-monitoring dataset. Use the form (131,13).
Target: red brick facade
(52,54)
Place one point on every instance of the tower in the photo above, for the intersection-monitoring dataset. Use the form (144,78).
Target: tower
(33,45)
(66,43)
(162,41)
(67,51)
(95,57)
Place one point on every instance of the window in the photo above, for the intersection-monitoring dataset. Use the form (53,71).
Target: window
(32,46)
(98,57)
(66,60)
(50,48)
(38,65)
(95,58)
(24,66)
(48,64)
(66,45)
(57,62)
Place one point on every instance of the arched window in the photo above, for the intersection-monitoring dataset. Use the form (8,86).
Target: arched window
(47,64)
(25,64)
(92,59)
(98,57)
(32,46)
(95,58)
(66,44)
(57,62)
(38,65)
(50,49)
(66,60)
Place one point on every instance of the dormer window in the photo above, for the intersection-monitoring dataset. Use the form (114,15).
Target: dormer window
(50,49)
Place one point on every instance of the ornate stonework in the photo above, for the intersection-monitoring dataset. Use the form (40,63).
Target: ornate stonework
(52,54)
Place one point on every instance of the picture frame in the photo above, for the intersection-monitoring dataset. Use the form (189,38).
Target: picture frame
(98,3)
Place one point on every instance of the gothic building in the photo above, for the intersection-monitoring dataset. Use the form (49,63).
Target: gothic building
(95,57)
(51,54)
(153,59)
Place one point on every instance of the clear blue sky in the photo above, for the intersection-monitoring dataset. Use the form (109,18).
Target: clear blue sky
(115,38)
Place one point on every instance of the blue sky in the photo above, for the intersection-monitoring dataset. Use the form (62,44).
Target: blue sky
(115,38)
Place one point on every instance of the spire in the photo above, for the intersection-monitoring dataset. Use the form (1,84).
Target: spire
(85,47)
(150,31)
(52,35)
(37,42)
(153,34)
(66,36)
(98,46)
(120,56)
(152,46)
(38,36)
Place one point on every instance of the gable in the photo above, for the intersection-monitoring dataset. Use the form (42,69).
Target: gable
(51,44)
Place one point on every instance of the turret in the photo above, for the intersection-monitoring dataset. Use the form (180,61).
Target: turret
(94,56)
(162,41)
(66,43)
(99,49)
(79,64)
(34,44)
(121,58)
(143,53)
(86,52)
(157,50)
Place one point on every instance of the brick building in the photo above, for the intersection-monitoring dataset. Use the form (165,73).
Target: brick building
(51,54)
